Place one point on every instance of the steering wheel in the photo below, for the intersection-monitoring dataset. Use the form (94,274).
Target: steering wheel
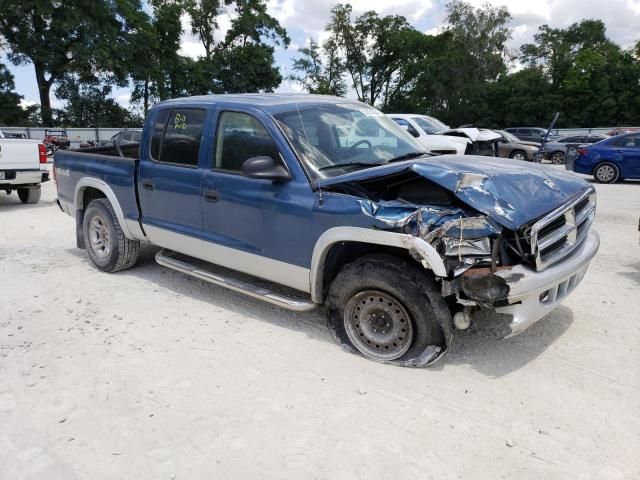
(116,143)
(361,142)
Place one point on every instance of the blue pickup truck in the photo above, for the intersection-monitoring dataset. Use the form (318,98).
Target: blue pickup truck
(303,200)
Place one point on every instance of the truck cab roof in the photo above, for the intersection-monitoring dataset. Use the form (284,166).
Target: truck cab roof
(269,102)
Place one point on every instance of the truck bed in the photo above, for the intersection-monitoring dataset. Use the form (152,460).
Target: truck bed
(84,168)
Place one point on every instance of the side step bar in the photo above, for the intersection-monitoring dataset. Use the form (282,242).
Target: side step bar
(164,258)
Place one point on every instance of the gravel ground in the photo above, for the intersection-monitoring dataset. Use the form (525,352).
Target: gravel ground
(151,374)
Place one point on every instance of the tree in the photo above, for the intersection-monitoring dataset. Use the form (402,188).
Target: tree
(85,37)
(11,113)
(88,104)
(597,82)
(204,22)
(373,49)
(449,74)
(316,75)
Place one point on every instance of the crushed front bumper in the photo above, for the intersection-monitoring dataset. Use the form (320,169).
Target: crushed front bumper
(532,294)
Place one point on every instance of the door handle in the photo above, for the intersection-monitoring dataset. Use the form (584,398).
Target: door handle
(148,185)
(211,195)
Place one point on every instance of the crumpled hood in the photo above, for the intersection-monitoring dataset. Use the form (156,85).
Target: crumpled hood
(511,192)
(474,134)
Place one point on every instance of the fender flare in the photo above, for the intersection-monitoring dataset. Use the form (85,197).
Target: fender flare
(86,182)
(430,258)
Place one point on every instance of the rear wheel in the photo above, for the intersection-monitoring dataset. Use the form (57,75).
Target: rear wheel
(606,172)
(29,195)
(388,310)
(518,155)
(108,248)
(558,158)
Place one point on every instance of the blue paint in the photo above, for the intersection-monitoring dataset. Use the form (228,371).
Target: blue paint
(513,193)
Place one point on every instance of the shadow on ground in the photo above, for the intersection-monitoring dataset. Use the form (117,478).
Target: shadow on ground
(477,347)
(481,350)
(633,274)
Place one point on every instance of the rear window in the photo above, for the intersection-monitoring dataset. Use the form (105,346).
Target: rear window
(177,136)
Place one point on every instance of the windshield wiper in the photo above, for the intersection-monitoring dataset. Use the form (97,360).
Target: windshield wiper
(351,164)
(407,156)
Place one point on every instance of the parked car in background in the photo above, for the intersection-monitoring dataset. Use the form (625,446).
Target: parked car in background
(621,130)
(530,134)
(557,150)
(125,137)
(483,141)
(20,163)
(426,130)
(14,135)
(610,160)
(510,146)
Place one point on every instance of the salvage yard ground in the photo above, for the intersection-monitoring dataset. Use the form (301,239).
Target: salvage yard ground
(149,374)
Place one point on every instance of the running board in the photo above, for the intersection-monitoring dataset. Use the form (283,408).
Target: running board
(167,259)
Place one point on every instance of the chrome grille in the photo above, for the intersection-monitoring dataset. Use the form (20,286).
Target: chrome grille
(557,234)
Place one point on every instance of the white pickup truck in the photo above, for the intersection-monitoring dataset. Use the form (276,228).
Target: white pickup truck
(21,169)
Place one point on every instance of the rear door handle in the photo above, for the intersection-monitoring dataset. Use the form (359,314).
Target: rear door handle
(211,195)
(148,185)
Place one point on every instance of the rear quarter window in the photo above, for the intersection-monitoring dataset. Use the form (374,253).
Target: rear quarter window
(177,136)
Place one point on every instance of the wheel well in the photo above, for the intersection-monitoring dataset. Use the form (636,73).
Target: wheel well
(90,194)
(342,253)
(517,150)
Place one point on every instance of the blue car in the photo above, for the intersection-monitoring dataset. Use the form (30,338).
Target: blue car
(611,160)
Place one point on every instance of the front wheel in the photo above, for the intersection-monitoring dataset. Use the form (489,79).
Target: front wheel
(29,195)
(518,155)
(388,310)
(606,172)
(108,248)
(558,158)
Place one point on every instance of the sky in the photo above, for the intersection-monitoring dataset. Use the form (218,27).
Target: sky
(306,19)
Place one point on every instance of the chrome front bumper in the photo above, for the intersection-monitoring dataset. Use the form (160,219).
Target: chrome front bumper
(532,294)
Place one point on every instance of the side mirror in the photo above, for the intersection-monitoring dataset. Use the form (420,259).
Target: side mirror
(264,168)
(410,129)
(503,140)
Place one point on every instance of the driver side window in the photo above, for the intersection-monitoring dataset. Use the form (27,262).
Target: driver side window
(240,137)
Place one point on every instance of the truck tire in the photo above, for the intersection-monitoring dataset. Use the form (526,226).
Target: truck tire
(108,248)
(29,195)
(388,310)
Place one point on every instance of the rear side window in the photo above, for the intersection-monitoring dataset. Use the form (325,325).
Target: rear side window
(177,139)
(630,141)
(240,137)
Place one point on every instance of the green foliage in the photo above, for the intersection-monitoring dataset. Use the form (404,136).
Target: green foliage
(88,105)
(374,50)
(11,113)
(87,38)
(594,81)
(316,76)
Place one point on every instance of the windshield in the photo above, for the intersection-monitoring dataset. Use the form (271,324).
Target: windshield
(336,139)
(427,126)
(508,136)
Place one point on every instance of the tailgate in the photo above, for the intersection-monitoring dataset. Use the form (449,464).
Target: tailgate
(19,154)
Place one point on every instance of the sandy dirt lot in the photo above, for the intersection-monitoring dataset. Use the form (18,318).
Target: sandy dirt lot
(148,374)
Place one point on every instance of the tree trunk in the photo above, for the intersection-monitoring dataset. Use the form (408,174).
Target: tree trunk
(44,89)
